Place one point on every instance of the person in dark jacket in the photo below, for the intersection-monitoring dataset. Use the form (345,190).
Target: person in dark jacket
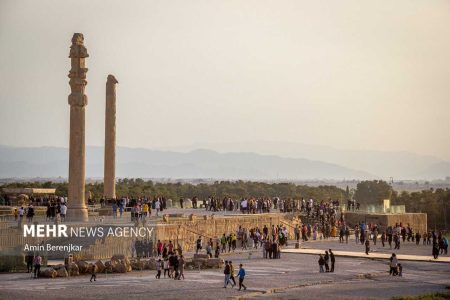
(327,259)
(30,213)
(227,273)
(435,250)
(333,260)
(29,260)
(321,263)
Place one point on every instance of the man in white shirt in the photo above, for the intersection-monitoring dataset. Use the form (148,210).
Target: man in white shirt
(244,205)
(157,206)
(21,213)
(63,211)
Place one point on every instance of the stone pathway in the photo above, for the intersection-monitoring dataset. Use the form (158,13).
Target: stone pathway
(372,255)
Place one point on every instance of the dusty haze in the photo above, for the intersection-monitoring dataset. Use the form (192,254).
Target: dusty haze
(350,74)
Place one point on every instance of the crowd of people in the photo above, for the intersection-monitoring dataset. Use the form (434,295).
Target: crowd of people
(398,234)
(170,260)
(140,208)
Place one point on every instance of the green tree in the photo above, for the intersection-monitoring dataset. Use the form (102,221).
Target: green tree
(372,192)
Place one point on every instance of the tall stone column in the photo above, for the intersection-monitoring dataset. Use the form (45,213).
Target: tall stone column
(109,182)
(77,210)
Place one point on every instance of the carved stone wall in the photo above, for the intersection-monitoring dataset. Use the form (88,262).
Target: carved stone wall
(185,231)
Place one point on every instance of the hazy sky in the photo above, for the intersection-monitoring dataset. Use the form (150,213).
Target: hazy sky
(352,74)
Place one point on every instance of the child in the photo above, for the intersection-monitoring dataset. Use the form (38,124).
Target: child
(158,269)
(400,270)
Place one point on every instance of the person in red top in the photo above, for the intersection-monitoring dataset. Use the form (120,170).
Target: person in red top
(159,247)
(170,246)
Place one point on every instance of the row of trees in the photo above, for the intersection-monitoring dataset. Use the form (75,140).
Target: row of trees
(236,189)
(436,203)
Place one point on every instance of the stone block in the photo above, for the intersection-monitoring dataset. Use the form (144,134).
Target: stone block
(62,272)
(150,264)
(83,266)
(100,266)
(108,266)
(215,263)
(48,273)
(200,256)
(73,269)
(119,268)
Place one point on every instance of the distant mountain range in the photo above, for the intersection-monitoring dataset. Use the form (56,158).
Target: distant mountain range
(383,164)
(47,162)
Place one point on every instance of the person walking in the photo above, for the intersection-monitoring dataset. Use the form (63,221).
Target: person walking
(232,272)
(37,265)
(393,265)
(93,272)
(332,259)
(29,260)
(367,243)
(181,264)
(158,269)
(241,275)
(227,272)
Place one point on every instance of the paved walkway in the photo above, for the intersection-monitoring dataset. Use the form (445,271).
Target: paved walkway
(294,276)
(371,255)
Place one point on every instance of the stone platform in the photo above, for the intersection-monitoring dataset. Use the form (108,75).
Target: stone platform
(418,221)
(372,255)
